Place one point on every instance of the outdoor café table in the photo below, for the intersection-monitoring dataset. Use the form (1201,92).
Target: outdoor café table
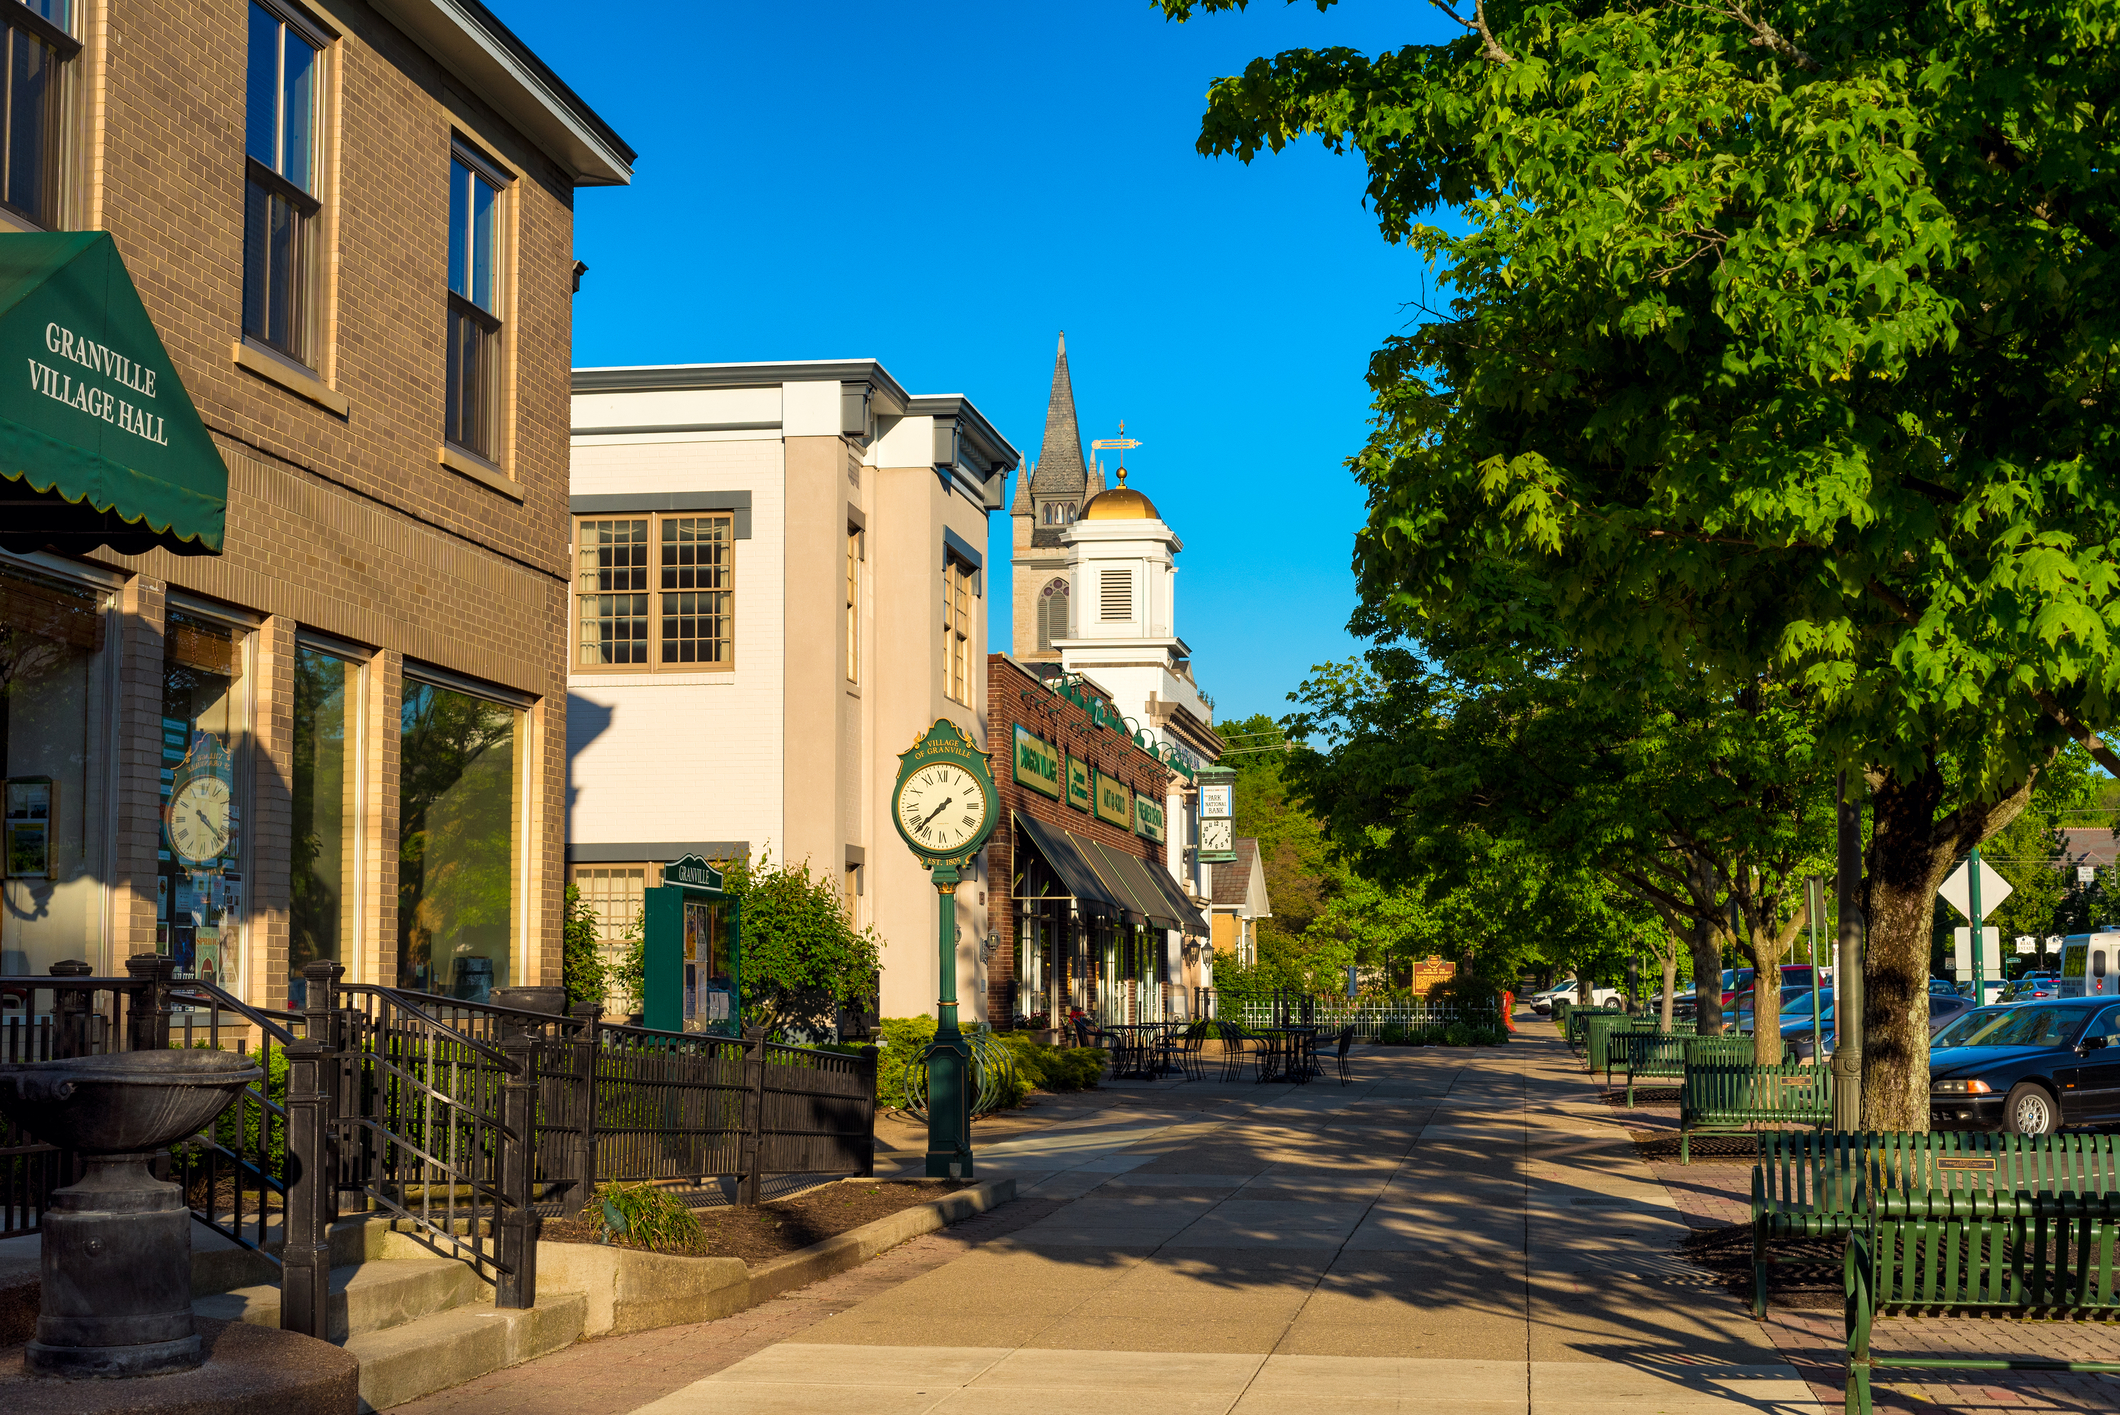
(1284,1052)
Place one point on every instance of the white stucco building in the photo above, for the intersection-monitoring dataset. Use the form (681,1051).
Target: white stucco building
(780,583)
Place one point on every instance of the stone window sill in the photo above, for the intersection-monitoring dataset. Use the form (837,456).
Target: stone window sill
(478,469)
(301,384)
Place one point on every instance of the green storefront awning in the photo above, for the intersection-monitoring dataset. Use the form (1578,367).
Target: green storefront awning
(99,443)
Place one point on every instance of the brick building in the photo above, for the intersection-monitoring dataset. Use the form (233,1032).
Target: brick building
(352,232)
(1091,917)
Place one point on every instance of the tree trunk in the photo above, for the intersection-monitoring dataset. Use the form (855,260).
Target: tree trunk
(1670,984)
(1766,1002)
(1707,980)
(1909,856)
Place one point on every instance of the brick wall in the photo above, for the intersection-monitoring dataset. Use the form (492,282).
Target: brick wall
(1058,721)
(341,522)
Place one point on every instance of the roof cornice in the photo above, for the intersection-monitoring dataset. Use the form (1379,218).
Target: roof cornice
(675,378)
(470,41)
(992,449)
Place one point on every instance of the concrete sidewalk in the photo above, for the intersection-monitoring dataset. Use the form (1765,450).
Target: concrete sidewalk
(1461,1230)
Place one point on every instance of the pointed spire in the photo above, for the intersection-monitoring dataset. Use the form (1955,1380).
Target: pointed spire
(1095,482)
(1020,503)
(1060,471)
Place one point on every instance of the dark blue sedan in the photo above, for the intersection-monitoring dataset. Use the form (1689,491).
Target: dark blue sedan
(2028,1069)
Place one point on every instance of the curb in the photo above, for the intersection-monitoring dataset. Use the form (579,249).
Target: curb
(856,1246)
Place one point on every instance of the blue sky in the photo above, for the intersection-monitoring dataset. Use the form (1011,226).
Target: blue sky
(945,184)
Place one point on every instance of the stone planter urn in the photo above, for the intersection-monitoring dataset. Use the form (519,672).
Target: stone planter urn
(117,1245)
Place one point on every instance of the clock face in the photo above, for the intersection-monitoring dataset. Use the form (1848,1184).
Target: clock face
(940,808)
(199,820)
(1215,835)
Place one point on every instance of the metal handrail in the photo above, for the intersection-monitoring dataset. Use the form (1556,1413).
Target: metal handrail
(404,1000)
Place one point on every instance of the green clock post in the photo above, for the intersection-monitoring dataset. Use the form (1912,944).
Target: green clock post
(945,806)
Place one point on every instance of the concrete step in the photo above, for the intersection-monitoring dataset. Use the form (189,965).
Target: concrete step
(446,1349)
(366,1297)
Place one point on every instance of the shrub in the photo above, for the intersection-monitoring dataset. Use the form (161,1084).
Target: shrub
(643,1215)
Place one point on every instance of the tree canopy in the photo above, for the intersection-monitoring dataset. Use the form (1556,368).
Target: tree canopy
(1778,346)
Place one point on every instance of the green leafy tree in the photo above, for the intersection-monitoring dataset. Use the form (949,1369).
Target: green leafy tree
(583,969)
(1779,343)
(1702,806)
(802,956)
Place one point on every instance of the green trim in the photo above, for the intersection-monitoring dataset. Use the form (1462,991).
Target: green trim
(101,429)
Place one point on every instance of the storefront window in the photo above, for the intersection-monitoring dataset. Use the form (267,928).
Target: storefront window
(324,900)
(460,803)
(54,719)
(199,883)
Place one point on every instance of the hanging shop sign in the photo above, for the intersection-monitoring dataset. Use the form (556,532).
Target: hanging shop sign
(1148,818)
(1115,802)
(1218,789)
(100,443)
(1037,762)
(1079,794)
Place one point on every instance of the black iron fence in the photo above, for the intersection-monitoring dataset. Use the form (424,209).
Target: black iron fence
(465,1121)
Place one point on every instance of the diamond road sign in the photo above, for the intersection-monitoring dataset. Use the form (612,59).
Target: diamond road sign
(1993,890)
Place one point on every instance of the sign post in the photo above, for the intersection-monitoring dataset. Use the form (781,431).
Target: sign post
(1815,907)
(945,807)
(1973,889)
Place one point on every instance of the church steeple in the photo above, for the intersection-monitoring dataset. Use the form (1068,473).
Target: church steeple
(1060,472)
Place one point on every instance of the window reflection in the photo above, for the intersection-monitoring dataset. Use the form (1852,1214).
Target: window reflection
(53,714)
(323,900)
(459,802)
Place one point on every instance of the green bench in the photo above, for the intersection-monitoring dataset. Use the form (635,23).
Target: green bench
(1597,1037)
(1664,1055)
(1806,1184)
(1720,1098)
(1993,1254)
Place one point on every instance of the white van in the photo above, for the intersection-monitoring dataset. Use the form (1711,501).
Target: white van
(2090,965)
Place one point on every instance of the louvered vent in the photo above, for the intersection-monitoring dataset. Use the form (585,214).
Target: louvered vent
(1115,596)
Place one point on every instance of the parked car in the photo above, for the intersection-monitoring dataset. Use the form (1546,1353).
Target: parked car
(1793,976)
(1942,986)
(2033,987)
(1796,1028)
(1611,999)
(2029,1069)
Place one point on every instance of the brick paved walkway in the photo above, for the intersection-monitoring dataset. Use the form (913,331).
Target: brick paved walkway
(1716,1189)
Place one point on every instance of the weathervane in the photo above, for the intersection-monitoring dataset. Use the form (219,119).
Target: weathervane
(1122,442)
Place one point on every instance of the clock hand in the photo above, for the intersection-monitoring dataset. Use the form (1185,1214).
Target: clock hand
(937,811)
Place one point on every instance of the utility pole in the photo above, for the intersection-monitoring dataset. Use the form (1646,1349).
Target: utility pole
(1847,970)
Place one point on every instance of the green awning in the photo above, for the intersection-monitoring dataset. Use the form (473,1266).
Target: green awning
(99,442)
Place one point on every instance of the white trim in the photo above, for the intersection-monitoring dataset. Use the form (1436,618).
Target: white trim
(461,41)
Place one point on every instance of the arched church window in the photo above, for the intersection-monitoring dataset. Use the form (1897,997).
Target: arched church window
(1052,614)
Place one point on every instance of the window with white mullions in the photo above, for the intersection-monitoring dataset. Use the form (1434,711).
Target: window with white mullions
(474,379)
(38,44)
(280,205)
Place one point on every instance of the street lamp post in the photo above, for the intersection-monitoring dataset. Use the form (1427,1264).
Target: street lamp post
(1847,969)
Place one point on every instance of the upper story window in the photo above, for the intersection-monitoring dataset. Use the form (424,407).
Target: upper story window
(474,378)
(654,592)
(39,43)
(853,608)
(280,181)
(957,630)
(1052,614)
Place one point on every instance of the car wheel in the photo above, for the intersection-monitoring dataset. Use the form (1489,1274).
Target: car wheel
(2030,1110)
(1611,1004)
